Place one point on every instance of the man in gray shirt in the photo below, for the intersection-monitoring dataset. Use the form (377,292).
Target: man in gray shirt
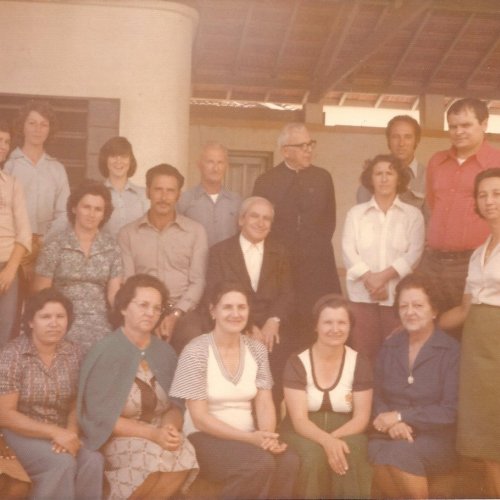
(209,203)
(403,135)
(171,247)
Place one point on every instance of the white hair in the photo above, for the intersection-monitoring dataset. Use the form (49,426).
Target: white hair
(287,131)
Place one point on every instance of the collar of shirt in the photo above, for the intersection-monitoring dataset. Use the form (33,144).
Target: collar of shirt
(71,242)
(373,205)
(19,153)
(28,347)
(129,186)
(199,191)
(245,245)
(481,155)
(413,166)
(179,221)
(3,176)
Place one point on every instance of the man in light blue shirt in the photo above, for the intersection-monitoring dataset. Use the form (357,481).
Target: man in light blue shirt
(214,207)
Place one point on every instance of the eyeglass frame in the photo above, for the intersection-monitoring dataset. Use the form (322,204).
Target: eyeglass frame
(304,146)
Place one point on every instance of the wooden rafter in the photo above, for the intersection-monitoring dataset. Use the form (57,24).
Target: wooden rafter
(451,47)
(244,31)
(482,61)
(410,45)
(286,36)
(399,19)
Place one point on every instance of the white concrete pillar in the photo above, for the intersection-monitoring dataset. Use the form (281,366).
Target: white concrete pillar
(138,51)
(432,112)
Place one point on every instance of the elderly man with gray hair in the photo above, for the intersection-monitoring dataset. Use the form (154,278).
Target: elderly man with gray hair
(304,200)
(262,266)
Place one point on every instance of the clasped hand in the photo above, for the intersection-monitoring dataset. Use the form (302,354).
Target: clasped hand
(65,441)
(268,441)
(168,437)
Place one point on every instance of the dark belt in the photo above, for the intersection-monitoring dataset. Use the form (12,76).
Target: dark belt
(439,254)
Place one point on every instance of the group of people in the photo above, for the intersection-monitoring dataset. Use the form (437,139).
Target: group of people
(119,280)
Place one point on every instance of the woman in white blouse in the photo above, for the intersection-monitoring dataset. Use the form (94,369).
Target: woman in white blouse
(225,379)
(382,242)
(479,391)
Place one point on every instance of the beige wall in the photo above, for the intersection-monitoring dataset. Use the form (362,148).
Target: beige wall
(123,49)
(341,150)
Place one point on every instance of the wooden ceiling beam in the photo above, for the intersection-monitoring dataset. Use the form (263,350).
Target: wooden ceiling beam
(482,61)
(451,47)
(411,44)
(286,36)
(344,10)
(395,22)
(244,31)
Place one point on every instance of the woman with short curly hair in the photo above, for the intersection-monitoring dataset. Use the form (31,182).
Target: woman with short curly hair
(84,263)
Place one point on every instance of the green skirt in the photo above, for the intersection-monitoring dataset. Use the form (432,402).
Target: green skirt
(478,433)
(316,478)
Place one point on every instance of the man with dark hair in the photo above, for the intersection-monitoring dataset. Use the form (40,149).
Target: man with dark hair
(171,247)
(403,135)
(454,229)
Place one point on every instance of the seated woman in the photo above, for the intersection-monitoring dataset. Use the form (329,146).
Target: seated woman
(224,377)
(415,397)
(123,405)
(117,163)
(383,241)
(328,394)
(38,386)
(478,435)
(84,263)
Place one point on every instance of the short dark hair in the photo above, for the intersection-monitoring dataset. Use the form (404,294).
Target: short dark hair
(397,166)
(485,174)
(221,288)
(406,119)
(423,282)
(332,301)
(116,146)
(92,187)
(127,292)
(42,107)
(163,169)
(476,105)
(37,302)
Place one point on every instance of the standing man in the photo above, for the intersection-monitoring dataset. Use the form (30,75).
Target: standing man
(403,136)
(454,229)
(214,207)
(304,201)
(171,247)
(262,266)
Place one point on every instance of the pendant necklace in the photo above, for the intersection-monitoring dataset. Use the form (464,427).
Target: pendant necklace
(410,378)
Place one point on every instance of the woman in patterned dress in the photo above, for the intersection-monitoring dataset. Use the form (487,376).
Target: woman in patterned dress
(84,263)
(224,377)
(123,405)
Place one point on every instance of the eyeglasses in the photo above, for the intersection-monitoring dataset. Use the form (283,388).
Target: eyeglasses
(146,306)
(304,146)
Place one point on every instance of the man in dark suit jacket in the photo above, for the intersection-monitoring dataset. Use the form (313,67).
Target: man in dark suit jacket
(262,266)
